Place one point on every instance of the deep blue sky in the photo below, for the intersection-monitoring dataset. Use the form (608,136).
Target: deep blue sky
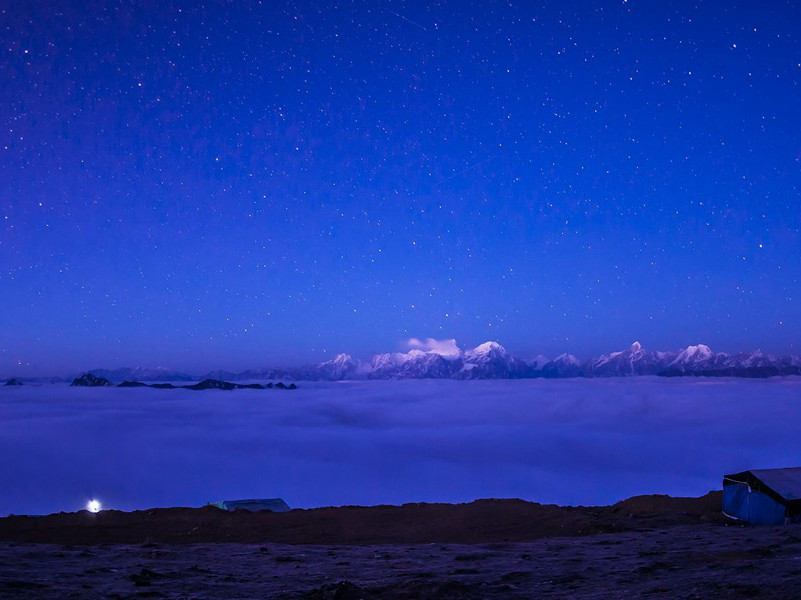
(237,184)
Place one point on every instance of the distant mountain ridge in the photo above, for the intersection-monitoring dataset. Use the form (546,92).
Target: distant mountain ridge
(141,374)
(491,360)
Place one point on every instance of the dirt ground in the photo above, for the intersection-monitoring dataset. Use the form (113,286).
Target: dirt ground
(471,523)
(644,547)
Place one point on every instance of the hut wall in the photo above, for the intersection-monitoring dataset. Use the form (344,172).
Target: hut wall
(751,506)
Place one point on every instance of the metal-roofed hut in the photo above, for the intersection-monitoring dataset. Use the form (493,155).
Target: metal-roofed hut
(271,504)
(763,496)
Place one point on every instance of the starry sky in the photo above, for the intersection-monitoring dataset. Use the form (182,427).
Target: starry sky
(241,184)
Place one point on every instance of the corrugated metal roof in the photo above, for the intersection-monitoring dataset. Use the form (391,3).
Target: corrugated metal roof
(272,504)
(785,482)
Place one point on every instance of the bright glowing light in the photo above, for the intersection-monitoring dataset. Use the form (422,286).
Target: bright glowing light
(93,506)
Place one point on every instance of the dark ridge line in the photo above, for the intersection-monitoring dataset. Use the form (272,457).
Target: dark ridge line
(90,380)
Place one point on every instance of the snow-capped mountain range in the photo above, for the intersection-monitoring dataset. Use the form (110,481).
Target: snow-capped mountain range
(490,360)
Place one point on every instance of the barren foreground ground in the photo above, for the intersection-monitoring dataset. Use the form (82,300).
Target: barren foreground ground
(701,561)
(647,546)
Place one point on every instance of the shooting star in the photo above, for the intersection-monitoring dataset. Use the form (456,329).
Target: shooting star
(465,170)
(407,20)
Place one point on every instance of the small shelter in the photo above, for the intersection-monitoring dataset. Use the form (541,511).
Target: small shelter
(271,504)
(763,496)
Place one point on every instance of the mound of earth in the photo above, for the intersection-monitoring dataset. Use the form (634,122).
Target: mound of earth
(659,504)
(481,521)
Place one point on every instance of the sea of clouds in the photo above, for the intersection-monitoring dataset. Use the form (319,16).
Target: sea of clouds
(570,441)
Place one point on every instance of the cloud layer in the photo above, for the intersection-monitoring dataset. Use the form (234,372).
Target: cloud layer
(443,347)
(564,441)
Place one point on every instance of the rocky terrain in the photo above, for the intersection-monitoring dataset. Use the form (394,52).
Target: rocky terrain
(652,546)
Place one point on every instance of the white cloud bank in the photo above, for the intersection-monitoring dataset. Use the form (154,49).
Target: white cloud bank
(442,347)
(575,441)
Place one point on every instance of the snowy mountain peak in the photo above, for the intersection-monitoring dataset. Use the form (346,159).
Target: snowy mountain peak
(341,359)
(538,361)
(567,359)
(635,347)
(342,366)
(693,355)
(488,347)
(699,351)
(489,360)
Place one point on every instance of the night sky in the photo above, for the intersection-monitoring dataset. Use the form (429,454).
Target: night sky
(242,184)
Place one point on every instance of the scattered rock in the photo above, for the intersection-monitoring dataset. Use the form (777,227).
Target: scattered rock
(472,556)
(23,585)
(285,559)
(654,566)
(344,590)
